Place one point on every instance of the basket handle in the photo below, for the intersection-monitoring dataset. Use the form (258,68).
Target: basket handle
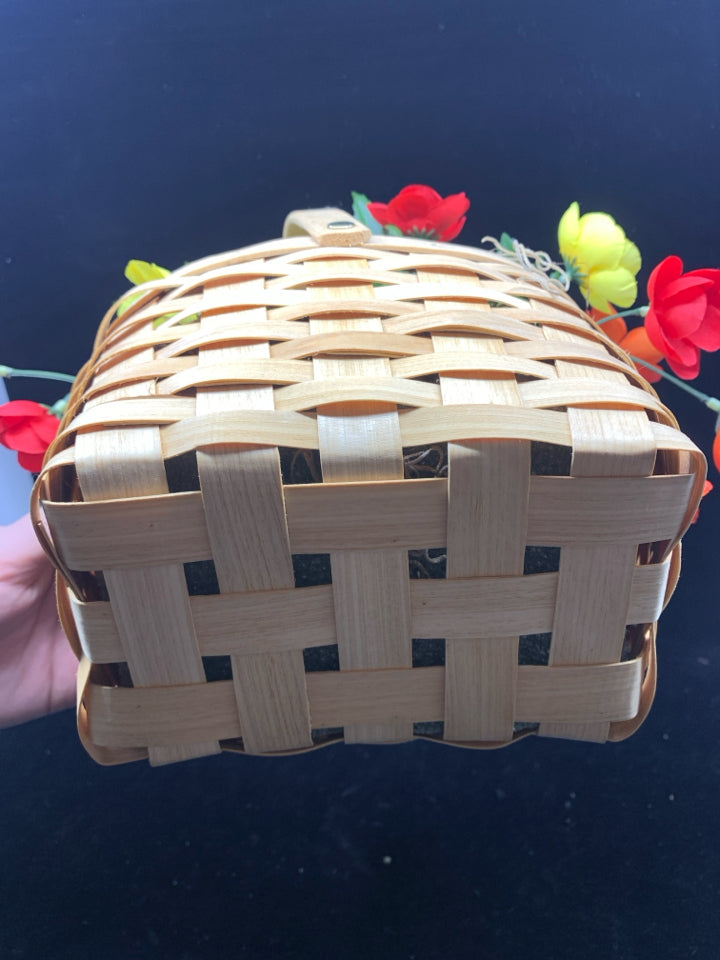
(328,226)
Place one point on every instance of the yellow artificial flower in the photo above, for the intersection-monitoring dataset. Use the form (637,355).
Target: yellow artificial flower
(600,258)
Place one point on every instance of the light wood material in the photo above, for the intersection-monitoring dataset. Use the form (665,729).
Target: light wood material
(407,513)
(327,227)
(594,579)
(150,600)
(370,589)
(132,718)
(486,533)
(242,496)
(485,607)
(357,349)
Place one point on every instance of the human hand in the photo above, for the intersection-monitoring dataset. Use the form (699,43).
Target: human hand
(37,665)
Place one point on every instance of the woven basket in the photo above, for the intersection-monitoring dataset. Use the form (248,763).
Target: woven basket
(362,488)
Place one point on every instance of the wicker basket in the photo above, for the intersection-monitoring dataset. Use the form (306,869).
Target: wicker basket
(362,488)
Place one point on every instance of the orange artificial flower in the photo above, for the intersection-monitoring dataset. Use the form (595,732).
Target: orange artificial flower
(635,342)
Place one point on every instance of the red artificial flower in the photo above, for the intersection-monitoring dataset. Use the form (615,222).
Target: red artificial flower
(706,490)
(635,342)
(716,449)
(29,428)
(684,314)
(421,211)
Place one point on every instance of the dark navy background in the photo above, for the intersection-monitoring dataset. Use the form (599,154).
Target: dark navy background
(171,129)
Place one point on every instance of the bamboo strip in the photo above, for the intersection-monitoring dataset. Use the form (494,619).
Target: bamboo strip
(242,493)
(468,608)
(594,578)
(370,591)
(350,308)
(362,342)
(124,717)
(484,538)
(287,428)
(132,412)
(150,602)
(452,289)
(357,389)
(487,521)
(232,329)
(411,514)
(482,421)
(154,369)
(575,392)
(510,322)
(259,371)
(452,361)
(237,427)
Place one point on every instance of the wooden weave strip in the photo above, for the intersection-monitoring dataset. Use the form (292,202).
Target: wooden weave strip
(132,718)
(594,579)
(242,496)
(235,623)
(371,515)
(370,589)
(150,601)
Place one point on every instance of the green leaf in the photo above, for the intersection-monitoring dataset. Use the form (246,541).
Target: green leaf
(137,272)
(127,303)
(140,271)
(507,242)
(158,321)
(393,231)
(361,212)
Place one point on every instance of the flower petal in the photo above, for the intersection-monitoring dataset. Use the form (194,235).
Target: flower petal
(631,258)
(638,344)
(414,202)
(380,211)
(618,286)
(680,320)
(707,335)
(450,210)
(27,426)
(601,242)
(22,408)
(687,367)
(568,231)
(664,273)
(615,328)
(46,428)
(685,288)
(706,490)
(452,232)
(31,461)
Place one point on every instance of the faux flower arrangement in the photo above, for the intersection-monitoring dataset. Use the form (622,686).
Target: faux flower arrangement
(680,321)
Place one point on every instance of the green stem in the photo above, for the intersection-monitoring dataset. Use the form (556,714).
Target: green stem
(9,372)
(712,402)
(635,312)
